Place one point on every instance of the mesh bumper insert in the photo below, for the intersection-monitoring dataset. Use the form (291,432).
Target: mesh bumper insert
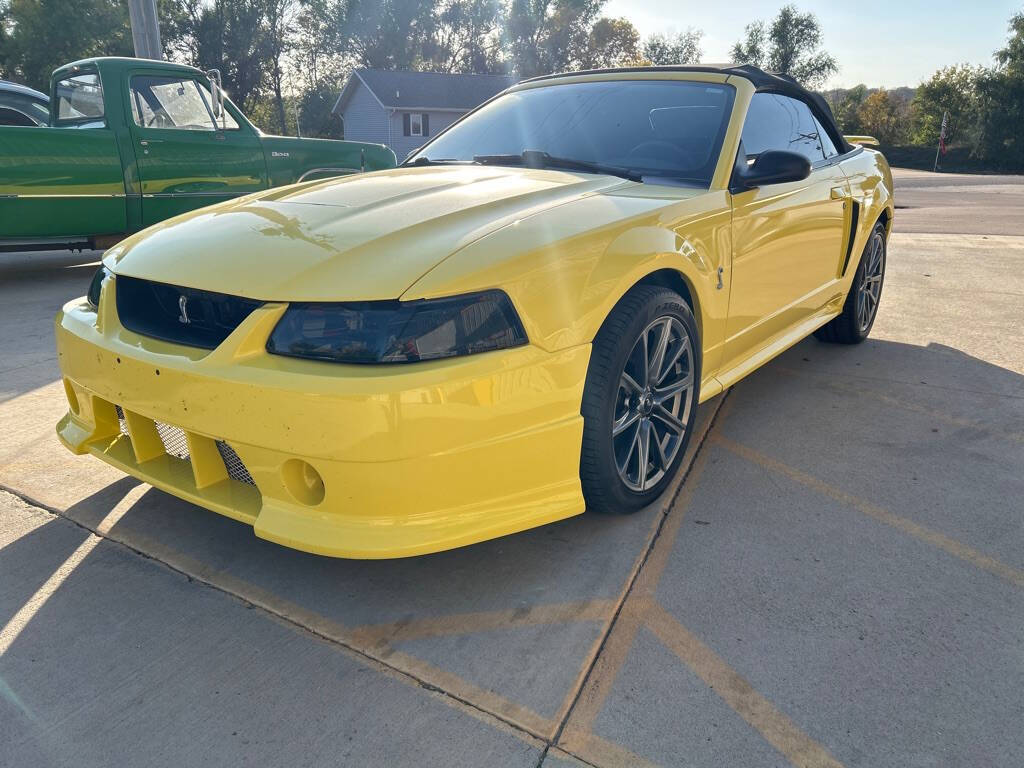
(176,444)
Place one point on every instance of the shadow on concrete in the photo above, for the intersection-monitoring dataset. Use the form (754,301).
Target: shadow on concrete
(33,287)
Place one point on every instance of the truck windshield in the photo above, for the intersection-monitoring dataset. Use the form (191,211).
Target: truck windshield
(653,129)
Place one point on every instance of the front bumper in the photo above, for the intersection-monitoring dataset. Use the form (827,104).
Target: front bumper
(347,461)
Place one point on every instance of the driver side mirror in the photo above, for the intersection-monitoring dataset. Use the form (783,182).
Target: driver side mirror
(217,92)
(772,167)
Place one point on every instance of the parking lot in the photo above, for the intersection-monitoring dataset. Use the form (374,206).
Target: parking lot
(838,580)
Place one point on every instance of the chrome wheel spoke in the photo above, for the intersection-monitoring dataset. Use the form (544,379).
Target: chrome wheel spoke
(643,449)
(629,382)
(654,372)
(680,349)
(669,391)
(625,422)
(668,418)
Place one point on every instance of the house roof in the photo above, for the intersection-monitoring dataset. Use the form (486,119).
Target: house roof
(443,91)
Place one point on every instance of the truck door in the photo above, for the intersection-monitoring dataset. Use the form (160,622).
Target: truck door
(186,159)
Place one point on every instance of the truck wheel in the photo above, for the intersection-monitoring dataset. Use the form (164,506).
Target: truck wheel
(854,323)
(639,401)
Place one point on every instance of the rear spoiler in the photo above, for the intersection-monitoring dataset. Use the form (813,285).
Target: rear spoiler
(867,141)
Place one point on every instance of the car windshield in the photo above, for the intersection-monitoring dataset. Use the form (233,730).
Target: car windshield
(653,129)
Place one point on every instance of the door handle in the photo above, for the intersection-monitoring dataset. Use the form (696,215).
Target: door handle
(840,193)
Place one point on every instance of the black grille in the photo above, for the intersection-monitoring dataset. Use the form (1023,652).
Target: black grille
(181,315)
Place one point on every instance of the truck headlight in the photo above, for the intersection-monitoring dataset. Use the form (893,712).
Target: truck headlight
(93,296)
(398,331)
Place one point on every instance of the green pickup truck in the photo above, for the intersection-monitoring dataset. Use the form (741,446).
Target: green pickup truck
(131,142)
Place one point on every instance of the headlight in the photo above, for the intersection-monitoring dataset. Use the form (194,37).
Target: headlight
(398,331)
(93,296)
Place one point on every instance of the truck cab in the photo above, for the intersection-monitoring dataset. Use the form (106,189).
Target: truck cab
(131,142)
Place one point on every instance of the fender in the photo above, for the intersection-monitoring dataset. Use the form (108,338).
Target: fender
(685,232)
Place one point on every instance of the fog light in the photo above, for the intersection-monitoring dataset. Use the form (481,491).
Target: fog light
(303,482)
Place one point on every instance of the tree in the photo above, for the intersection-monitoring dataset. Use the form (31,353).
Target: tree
(465,36)
(41,35)
(846,106)
(384,34)
(952,90)
(611,43)
(1000,99)
(880,115)
(1011,58)
(790,46)
(544,36)
(680,48)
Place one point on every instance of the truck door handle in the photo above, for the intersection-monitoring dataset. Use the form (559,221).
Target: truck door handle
(147,142)
(840,193)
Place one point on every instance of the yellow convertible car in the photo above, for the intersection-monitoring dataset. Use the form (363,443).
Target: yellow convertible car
(515,325)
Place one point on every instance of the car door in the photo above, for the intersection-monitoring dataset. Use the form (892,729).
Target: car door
(787,238)
(186,159)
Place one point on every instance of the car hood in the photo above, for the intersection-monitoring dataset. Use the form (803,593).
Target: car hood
(361,237)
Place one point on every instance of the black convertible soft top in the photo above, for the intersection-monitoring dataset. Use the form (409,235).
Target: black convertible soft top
(761,80)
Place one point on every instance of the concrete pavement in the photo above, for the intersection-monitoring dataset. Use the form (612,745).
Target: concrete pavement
(838,581)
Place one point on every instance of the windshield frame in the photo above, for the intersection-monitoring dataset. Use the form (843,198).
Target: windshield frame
(720,169)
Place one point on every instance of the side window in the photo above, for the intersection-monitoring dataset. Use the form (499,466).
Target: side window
(169,102)
(781,123)
(827,145)
(416,124)
(80,99)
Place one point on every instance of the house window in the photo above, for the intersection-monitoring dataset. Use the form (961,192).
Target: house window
(416,124)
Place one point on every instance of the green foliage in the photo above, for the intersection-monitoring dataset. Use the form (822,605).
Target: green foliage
(544,36)
(952,90)
(1011,58)
(680,48)
(611,43)
(1000,99)
(790,46)
(41,35)
(465,37)
(884,117)
(315,113)
(846,106)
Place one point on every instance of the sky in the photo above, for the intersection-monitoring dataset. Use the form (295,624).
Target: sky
(888,44)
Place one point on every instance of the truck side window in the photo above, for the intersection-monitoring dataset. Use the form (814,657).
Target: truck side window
(170,102)
(80,100)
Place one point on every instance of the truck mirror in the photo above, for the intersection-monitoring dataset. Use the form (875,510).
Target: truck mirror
(217,92)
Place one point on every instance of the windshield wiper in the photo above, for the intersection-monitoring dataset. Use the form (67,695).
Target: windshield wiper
(533,158)
(438,161)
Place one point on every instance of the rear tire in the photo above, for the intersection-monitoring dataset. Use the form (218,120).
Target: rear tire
(640,400)
(854,323)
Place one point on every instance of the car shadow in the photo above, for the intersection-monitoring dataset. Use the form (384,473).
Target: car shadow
(33,286)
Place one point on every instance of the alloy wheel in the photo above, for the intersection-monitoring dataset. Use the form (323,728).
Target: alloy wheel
(652,404)
(870,288)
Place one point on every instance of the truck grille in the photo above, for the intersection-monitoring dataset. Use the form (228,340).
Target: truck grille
(177,314)
(176,444)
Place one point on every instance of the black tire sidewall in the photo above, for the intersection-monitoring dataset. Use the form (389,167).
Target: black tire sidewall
(603,489)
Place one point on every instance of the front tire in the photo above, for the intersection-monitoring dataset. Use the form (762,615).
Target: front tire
(854,323)
(640,400)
